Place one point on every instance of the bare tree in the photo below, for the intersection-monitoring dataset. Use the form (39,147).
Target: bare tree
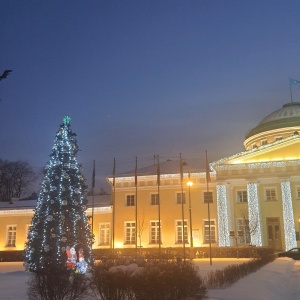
(15,177)
(249,229)
(141,227)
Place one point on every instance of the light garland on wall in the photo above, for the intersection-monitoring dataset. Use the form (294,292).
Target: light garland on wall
(254,215)
(225,159)
(223,231)
(162,176)
(261,165)
(288,217)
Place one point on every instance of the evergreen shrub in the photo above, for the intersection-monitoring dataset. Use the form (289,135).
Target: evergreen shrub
(153,280)
(230,274)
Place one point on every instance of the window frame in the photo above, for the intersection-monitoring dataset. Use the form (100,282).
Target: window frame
(129,239)
(243,224)
(154,228)
(104,231)
(178,197)
(129,200)
(270,198)
(154,199)
(297,191)
(213,228)
(13,237)
(180,238)
(244,193)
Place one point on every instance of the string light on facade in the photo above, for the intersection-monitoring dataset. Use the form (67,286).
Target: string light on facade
(254,215)
(223,230)
(288,217)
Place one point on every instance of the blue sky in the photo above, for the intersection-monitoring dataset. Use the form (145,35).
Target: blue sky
(140,78)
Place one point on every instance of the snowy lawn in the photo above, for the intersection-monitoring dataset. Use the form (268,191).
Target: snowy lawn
(275,281)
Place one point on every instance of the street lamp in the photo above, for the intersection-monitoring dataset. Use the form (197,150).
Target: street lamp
(189,184)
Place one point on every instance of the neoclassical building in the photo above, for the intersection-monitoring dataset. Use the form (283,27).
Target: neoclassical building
(256,194)
(252,197)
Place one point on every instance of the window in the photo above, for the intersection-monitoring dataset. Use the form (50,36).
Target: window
(241,197)
(264,142)
(212,231)
(129,200)
(129,232)
(279,138)
(11,236)
(243,231)
(298,192)
(154,232)
(178,197)
(270,194)
(154,199)
(104,234)
(208,197)
(179,236)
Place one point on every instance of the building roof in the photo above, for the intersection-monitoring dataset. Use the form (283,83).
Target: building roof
(99,201)
(191,165)
(287,116)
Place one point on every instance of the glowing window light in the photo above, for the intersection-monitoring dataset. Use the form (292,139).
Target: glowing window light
(254,215)
(223,231)
(288,217)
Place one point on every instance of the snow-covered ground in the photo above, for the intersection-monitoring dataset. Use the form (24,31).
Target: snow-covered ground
(276,281)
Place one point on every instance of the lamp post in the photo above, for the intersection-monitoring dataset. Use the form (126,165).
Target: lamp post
(189,184)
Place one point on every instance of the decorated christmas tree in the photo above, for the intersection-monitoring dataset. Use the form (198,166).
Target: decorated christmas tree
(59,237)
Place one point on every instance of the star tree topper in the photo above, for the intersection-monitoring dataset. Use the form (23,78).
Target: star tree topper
(67,120)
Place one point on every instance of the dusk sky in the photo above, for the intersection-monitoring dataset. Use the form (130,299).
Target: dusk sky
(140,78)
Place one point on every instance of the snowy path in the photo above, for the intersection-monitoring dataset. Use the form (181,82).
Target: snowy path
(279,280)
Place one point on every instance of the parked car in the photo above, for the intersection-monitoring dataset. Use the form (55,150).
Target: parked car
(294,253)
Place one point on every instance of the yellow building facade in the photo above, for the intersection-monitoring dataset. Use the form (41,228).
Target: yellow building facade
(255,198)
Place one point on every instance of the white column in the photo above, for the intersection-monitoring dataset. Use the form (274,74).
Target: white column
(254,214)
(288,216)
(223,232)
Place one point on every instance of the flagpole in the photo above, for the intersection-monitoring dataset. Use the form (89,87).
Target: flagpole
(208,208)
(93,203)
(291,92)
(182,207)
(114,211)
(158,195)
(136,206)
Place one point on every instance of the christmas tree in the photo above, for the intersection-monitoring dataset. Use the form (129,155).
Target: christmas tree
(59,237)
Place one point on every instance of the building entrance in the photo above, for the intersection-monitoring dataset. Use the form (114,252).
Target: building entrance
(274,236)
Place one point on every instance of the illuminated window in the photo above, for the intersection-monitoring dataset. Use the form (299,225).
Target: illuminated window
(270,194)
(241,196)
(243,231)
(104,234)
(154,199)
(129,200)
(179,235)
(212,231)
(154,232)
(178,197)
(129,232)
(11,236)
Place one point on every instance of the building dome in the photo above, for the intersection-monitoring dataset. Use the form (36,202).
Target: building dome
(277,125)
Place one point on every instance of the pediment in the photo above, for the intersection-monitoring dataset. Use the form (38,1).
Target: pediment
(284,150)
